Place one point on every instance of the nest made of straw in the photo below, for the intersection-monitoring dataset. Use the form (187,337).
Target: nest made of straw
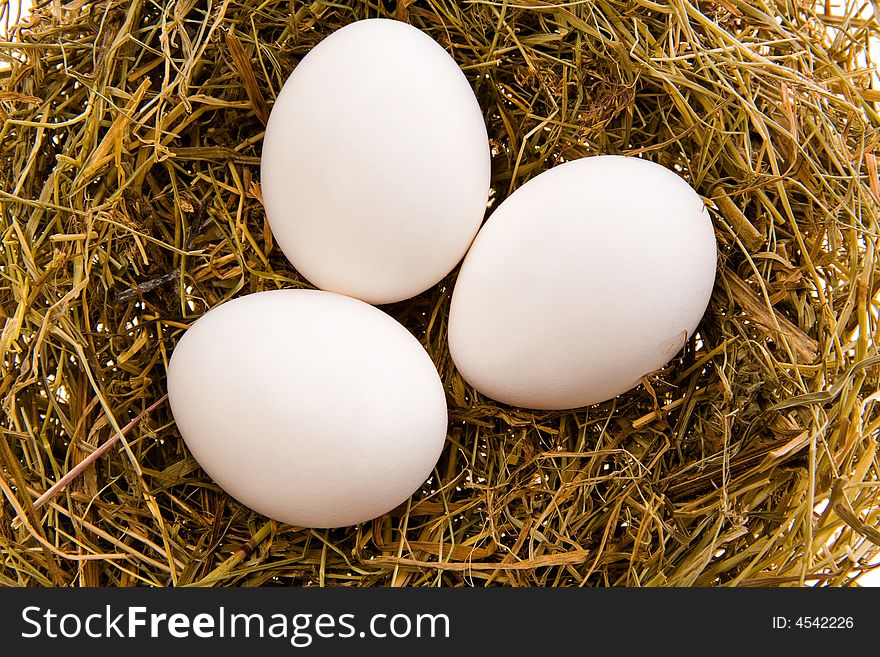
(130,138)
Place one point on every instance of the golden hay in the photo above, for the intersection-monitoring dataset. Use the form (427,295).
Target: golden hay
(130,138)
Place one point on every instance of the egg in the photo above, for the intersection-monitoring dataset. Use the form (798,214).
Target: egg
(375,163)
(585,279)
(312,408)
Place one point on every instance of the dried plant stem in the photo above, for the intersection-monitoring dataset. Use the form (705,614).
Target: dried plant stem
(76,470)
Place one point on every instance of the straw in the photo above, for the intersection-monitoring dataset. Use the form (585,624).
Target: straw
(130,137)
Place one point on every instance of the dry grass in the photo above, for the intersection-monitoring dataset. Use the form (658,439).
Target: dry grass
(130,139)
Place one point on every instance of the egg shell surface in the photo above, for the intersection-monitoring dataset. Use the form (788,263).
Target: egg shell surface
(309,407)
(591,275)
(375,164)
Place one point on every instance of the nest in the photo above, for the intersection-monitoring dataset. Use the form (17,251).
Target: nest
(130,136)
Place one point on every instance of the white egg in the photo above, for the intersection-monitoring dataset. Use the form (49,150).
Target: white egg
(588,277)
(309,407)
(375,163)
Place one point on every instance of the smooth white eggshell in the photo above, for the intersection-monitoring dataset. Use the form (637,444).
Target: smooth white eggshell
(309,407)
(375,163)
(588,277)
